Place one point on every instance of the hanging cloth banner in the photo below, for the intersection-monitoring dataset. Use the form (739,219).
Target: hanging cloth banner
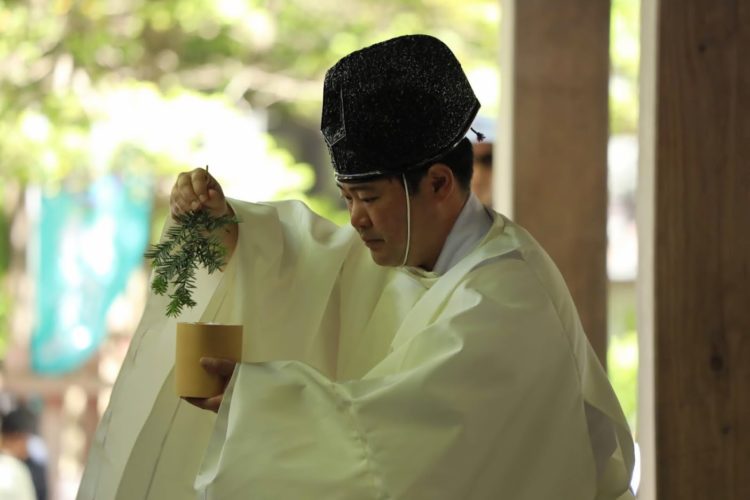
(89,243)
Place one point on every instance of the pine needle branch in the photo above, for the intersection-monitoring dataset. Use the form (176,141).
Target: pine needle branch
(189,243)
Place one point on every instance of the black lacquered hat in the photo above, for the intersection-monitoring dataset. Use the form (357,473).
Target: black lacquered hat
(394,106)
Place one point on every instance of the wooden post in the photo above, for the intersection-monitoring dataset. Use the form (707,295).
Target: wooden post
(701,249)
(553,143)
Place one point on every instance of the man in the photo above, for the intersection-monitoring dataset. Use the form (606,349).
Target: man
(430,351)
(15,478)
(19,427)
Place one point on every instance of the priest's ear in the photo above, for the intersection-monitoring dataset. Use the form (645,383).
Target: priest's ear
(452,172)
(440,181)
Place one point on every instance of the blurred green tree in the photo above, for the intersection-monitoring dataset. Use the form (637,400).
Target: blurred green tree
(58,58)
(624,48)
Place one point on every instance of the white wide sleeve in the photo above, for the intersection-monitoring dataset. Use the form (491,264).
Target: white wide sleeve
(484,402)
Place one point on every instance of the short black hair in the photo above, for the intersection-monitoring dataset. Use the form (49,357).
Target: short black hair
(459,159)
(20,420)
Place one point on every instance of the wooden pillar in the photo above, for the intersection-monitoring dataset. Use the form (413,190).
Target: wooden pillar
(700,249)
(553,140)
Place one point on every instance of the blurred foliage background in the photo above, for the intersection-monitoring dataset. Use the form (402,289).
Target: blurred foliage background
(64,62)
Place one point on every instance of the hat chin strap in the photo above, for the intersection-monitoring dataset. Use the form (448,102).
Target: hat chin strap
(408,220)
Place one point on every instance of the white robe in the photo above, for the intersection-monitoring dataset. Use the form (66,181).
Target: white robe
(15,479)
(362,382)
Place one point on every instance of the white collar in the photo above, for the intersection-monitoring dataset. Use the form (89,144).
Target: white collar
(470,227)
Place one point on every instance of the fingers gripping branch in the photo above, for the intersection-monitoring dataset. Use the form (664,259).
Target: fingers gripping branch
(196,190)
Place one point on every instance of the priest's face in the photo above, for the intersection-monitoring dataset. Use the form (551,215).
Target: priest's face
(377,210)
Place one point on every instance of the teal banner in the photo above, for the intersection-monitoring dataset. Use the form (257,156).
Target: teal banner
(89,243)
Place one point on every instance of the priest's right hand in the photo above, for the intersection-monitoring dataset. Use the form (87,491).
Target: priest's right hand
(196,190)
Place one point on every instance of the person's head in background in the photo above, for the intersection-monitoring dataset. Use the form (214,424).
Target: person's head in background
(18,438)
(18,426)
(481,180)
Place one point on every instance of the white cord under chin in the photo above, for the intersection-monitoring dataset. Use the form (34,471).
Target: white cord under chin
(408,220)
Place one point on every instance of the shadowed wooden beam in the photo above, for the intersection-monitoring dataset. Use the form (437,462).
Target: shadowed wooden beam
(553,143)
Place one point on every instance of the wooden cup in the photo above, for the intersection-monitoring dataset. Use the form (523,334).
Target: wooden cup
(196,340)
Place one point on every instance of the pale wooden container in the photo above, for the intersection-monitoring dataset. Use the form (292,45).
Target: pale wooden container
(196,340)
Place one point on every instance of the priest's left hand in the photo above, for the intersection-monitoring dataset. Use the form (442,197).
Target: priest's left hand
(223,368)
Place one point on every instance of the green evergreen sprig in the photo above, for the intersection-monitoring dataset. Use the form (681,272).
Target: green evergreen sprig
(186,245)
